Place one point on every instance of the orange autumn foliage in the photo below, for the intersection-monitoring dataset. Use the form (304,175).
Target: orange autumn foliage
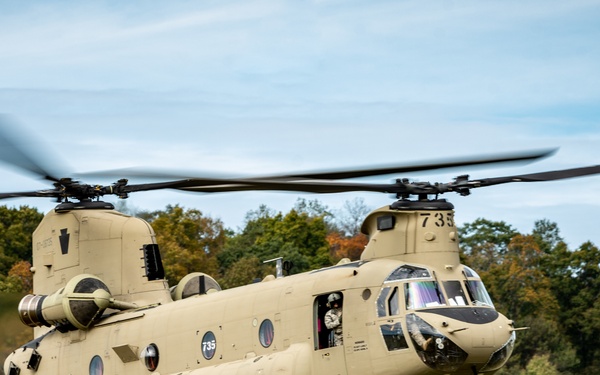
(346,247)
(22,271)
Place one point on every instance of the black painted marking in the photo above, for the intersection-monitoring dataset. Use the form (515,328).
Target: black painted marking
(64,241)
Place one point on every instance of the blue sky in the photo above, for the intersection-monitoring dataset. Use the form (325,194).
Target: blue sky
(255,87)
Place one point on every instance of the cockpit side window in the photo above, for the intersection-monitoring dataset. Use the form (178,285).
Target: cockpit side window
(477,292)
(388,302)
(381,302)
(393,303)
(469,272)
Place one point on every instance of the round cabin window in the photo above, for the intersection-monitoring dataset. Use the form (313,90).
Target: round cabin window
(209,345)
(150,357)
(96,366)
(266,333)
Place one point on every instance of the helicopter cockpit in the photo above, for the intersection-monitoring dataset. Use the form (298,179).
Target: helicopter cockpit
(421,290)
(416,307)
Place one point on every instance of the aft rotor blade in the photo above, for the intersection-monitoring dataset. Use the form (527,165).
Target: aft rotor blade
(39,193)
(20,152)
(312,186)
(346,173)
(229,185)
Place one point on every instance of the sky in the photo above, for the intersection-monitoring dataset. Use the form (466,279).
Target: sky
(257,87)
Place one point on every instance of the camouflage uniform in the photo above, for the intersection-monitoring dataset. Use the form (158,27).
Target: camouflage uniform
(333,321)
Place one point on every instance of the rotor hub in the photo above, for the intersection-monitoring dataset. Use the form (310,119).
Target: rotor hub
(428,205)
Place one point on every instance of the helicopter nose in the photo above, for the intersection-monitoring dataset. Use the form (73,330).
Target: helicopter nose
(459,346)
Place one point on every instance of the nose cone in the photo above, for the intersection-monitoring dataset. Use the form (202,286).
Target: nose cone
(461,340)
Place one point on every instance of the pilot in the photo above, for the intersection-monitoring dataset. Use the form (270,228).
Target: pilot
(415,333)
(333,318)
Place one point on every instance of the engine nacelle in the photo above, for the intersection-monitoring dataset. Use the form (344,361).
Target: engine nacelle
(193,284)
(80,302)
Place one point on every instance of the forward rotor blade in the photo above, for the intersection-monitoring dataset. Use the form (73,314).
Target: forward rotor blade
(523,156)
(539,177)
(212,185)
(325,186)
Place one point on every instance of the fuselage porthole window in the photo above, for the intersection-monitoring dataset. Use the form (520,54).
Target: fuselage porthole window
(266,333)
(96,366)
(150,357)
(209,345)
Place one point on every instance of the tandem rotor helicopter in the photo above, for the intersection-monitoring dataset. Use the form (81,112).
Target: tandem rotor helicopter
(101,304)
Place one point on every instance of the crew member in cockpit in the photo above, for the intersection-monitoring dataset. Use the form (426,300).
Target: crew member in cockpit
(333,318)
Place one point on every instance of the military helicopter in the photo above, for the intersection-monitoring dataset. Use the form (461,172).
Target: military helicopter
(101,304)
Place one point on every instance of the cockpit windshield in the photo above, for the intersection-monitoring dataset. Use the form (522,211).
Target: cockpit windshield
(455,293)
(420,294)
(422,290)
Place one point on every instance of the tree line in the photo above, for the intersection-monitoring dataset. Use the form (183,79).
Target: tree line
(533,278)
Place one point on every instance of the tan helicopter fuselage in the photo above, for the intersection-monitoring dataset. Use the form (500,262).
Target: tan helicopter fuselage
(408,307)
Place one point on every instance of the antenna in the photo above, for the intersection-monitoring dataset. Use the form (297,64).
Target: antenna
(278,266)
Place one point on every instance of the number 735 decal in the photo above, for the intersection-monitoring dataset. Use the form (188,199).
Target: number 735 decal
(438,219)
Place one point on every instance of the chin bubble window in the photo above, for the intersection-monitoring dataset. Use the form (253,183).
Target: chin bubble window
(96,366)
(150,357)
(266,333)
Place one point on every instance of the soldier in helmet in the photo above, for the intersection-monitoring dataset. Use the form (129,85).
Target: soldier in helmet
(333,318)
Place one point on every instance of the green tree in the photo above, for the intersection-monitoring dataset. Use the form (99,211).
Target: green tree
(16,228)
(547,235)
(517,281)
(313,208)
(540,365)
(189,241)
(577,287)
(522,274)
(484,242)
(349,219)
(298,236)
(18,280)
(238,246)
(243,271)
